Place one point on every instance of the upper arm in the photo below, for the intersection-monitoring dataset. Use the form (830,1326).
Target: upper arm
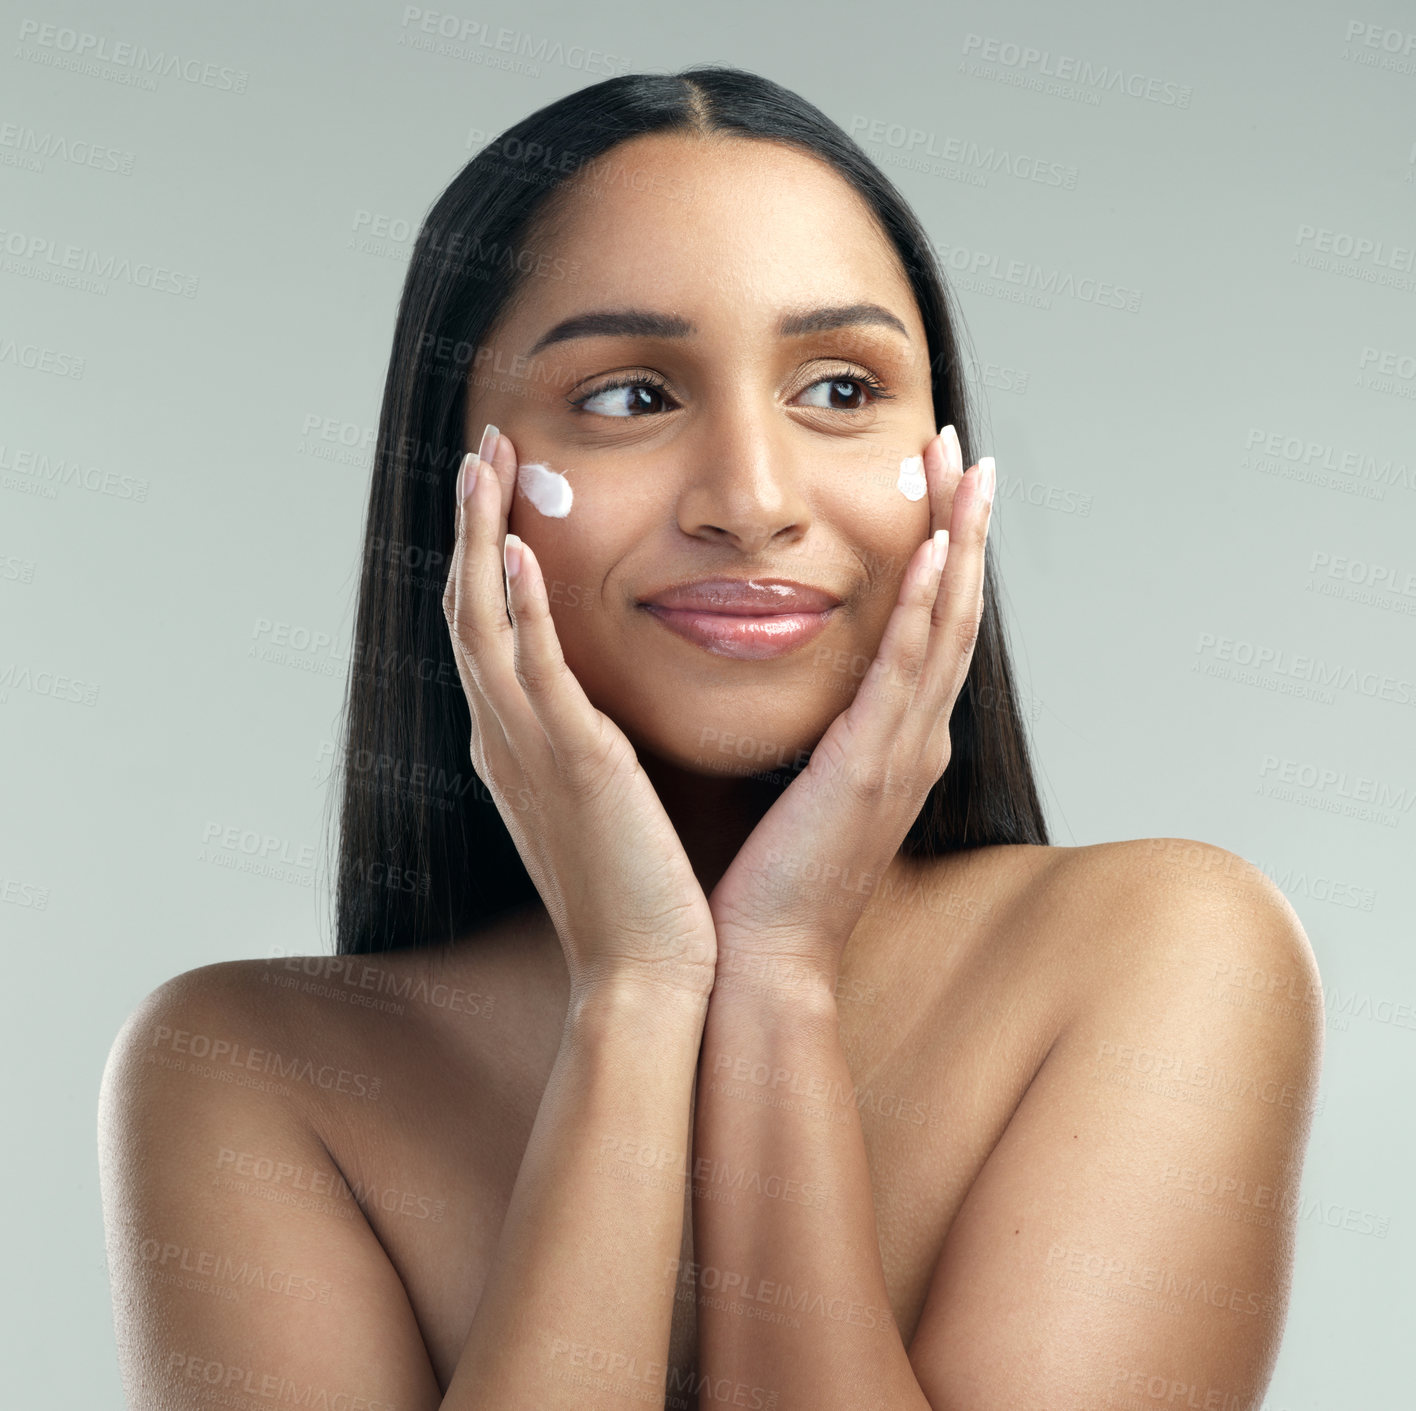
(222,1297)
(1130,1239)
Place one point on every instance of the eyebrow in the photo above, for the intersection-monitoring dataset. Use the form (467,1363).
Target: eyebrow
(645,323)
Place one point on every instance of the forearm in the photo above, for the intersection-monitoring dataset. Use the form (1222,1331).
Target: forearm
(578,1305)
(793,1291)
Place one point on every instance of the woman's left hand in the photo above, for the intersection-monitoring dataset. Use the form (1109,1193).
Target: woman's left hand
(793,892)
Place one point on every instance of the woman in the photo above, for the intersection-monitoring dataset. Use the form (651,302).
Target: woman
(734,1036)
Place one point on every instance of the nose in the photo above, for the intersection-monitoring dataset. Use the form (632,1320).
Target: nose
(743,485)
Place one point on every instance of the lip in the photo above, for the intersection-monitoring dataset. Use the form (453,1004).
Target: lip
(753,619)
(744,597)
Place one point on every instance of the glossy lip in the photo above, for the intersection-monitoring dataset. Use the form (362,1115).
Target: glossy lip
(744,597)
(752,619)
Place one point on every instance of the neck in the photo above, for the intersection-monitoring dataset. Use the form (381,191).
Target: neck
(712,814)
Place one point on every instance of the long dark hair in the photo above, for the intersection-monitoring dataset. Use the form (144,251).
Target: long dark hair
(423,854)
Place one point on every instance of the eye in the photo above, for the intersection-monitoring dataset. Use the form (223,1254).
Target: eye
(643,392)
(844,384)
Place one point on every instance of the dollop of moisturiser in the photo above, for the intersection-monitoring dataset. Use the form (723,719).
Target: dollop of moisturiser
(547,489)
(912,484)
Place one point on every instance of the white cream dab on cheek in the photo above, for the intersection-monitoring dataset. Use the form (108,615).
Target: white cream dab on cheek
(912,484)
(547,489)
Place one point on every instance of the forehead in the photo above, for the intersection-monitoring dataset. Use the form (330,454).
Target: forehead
(721,230)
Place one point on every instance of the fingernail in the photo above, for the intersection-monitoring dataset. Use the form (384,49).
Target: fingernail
(511,553)
(939,550)
(488,448)
(952,452)
(986,477)
(466,476)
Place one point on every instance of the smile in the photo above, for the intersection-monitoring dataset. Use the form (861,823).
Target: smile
(751,638)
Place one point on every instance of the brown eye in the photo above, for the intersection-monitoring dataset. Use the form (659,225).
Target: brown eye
(843,389)
(837,390)
(610,400)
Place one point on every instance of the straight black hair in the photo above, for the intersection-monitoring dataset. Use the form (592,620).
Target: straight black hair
(423,855)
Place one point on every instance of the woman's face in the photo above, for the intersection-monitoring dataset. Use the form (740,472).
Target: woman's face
(747,452)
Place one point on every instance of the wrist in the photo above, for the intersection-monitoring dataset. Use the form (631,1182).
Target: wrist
(800,979)
(626,1000)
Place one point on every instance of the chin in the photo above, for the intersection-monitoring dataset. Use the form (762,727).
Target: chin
(711,721)
(742,743)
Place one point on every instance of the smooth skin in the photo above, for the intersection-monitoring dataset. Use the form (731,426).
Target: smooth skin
(703,1015)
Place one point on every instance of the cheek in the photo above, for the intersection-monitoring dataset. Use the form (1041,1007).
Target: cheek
(880,526)
(560,556)
(576,553)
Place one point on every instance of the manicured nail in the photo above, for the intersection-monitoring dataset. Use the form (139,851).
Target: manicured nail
(939,550)
(488,448)
(986,478)
(952,452)
(466,476)
(511,552)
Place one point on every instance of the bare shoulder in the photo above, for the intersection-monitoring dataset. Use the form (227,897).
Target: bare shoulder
(1185,948)
(1154,1160)
(210,1087)
(218,1021)
(209,1003)
(1172,928)
(1157,893)
(203,1048)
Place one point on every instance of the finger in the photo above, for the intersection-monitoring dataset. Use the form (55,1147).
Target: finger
(490,752)
(942,473)
(572,725)
(859,750)
(481,630)
(960,609)
(503,464)
(885,694)
(903,646)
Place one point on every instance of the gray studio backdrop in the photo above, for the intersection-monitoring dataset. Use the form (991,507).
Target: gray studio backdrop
(1183,245)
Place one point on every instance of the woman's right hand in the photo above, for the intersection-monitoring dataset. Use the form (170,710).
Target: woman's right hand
(589,826)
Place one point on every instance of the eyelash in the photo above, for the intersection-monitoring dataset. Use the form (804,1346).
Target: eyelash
(878,390)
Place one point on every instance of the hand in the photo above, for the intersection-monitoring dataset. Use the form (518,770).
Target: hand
(867,779)
(588,824)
